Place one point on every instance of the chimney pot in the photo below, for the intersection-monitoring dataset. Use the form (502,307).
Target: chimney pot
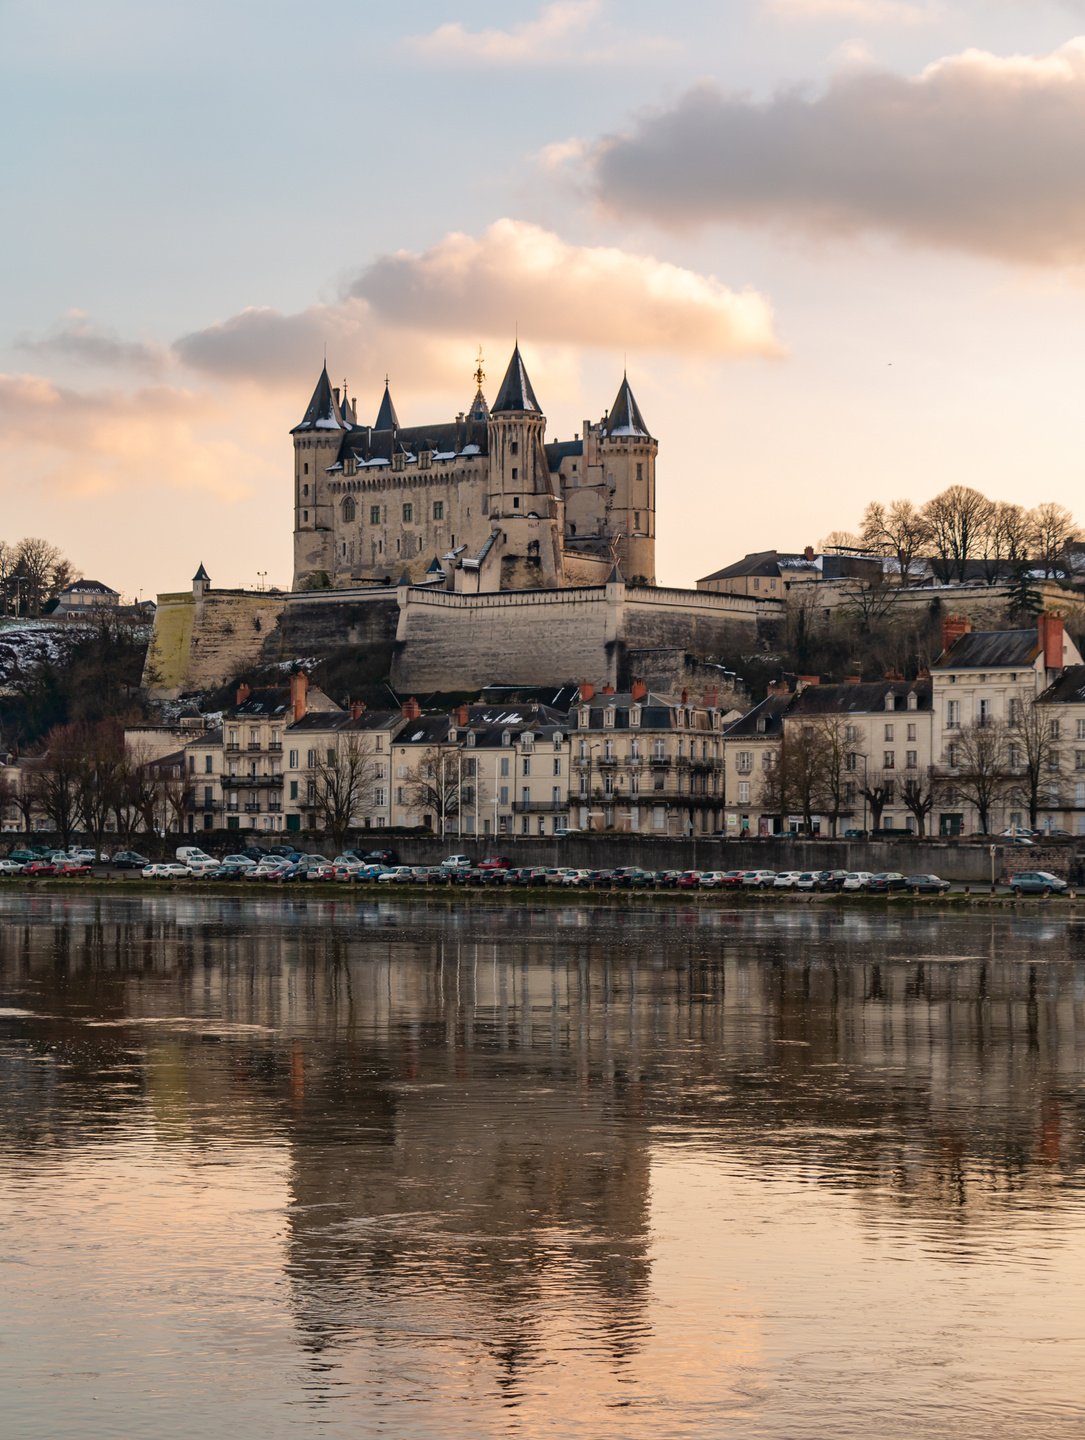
(411,709)
(243,692)
(608,689)
(299,689)
(463,717)
(587,692)
(853,679)
(639,690)
(808,553)
(1049,626)
(953,627)
(357,709)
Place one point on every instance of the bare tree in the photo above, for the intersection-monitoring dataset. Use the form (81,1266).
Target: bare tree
(40,572)
(434,787)
(101,770)
(801,779)
(841,540)
(898,530)
(877,788)
(1032,755)
(958,518)
(1005,540)
(59,780)
(977,763)
(1052,528)
(919,792)
(342,785)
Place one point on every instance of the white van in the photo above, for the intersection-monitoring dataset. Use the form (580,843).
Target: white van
(187,853)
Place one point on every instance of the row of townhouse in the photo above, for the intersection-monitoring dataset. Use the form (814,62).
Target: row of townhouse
(290,759)
(1000,718)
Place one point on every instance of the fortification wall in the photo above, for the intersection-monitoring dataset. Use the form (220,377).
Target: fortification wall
(199,642)
(704,624)
(460,642)
(317,622)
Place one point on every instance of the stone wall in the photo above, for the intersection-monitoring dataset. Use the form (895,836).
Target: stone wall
(200,642)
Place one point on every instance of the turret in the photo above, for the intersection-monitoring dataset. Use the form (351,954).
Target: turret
(522,499)
(628,458)
(316,446)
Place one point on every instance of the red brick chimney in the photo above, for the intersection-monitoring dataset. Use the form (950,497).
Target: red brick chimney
(808,553)
(953,627)
(608,689)
(463,716)
(711,699)
(638,690)
(299,689)
(243,692)
(1049,628)
(685,697)
(411,709)
(777,687)
(805,680)
(893,675)
(357,709)
(587,692)
(853,679)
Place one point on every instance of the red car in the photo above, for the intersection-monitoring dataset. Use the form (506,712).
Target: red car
(495,862)
(688,880)
(40,867)
(72,867)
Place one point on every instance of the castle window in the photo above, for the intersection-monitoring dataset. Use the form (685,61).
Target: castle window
(438,509)
(408,513)
(374,514)
(516,502)
(305,517)
(636,519)
(305,489)
(640,470)
(348,511)
(305,470)
(514,449)
(515,473)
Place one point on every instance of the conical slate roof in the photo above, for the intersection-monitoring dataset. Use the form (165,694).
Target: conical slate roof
(323,412)
(625,417)
(201,574)
(387,419)
(479,409)
(516,392)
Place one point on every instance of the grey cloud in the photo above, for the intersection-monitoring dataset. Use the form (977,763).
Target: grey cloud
(79,339)
(978,153)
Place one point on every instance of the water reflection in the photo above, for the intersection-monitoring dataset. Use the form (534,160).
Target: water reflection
(570,1170)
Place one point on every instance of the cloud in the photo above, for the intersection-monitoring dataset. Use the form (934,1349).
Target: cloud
(111,441)
(866,12)
(554,36)
(78,339)
(416,313)
(977,153)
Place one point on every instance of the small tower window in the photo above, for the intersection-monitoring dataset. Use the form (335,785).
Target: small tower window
(515,473)
(305,471)
(514,448)
(408,512)
(374,514)
(438,509)
(640,470)
(348,511)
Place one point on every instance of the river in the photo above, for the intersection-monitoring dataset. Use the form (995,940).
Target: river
(286,1167)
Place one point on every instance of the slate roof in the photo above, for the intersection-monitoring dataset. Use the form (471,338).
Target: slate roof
(759,562)
(656,713)
(426,730)
(365,445)
(341,720)
(771,710)
(625,417)
(991,650)
(516,393)
(201,574)
(322,412)
(387,419)
(865,699)
(558,450)
(1068,689)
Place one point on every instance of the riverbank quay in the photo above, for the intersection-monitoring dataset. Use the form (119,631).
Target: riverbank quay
(965,898)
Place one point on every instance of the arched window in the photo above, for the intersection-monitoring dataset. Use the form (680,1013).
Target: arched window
(348,510)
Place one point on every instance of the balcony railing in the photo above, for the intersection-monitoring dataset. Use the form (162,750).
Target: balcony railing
(251,782)
(543,807)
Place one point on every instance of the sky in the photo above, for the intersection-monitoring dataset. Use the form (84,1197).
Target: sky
(839,246)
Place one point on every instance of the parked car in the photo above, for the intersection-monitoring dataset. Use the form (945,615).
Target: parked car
(1038,882)
(832,880)
(166,870)
(785,880)
(71,867)
(10,867)
(712,879)
(885,881)
(857,880)
(927,884)
(396,875)
(381,857)
(456,862)
(495,862)
(234,865)
(688,880)
(758,879)
(129,860)
(39,868)
(576,877)
(808,880)
(84,855)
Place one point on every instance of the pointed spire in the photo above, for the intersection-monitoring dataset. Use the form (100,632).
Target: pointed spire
(323,412)
(201,575)
(625,417)
(387,419)
(516,392)
(615,577)
(479,409)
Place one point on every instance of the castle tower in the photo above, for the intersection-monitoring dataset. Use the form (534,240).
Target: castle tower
(316,446)
(628,455)
(523,503)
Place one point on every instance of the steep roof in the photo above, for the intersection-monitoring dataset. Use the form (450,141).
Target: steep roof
(625,418)
(764,719)
(866,699)
(1068,689)
(201,574)
(991,650)
(387,419)
(516,393)
(759,562)
(323,412)
(90,587)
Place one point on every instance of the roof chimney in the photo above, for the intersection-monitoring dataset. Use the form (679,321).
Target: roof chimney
(411,709)
(953,627)
(357,709)
(711,699)
(587,692)
(243,692)
(1049,628)
(808,553)
(638,690)
(299,689)
(608,689)
(802,681)
(777,687)
(853,679)
(463,716)
(685,697)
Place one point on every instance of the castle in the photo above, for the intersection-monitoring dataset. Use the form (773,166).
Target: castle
(480,503)
(464,553)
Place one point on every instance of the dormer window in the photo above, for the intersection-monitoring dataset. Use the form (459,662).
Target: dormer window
(584,720)
(527,740)
(558,741)
(469,739)
(506,737)
(634,715)
(890,701)
(452,737)
(608,716)
(762,725)
(913,700)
